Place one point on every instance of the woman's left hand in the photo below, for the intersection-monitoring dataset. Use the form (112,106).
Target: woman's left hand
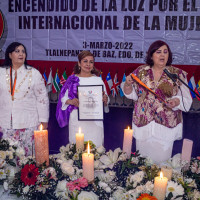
(173,102)
(105,98)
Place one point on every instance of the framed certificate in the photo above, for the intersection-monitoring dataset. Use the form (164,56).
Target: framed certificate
(90,102)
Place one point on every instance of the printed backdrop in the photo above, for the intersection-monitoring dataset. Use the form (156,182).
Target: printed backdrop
(116,31)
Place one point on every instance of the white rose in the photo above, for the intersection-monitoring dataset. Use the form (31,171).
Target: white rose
(26,189)
(20,152)
(67,168)
(62,149)
(102,184)
(108,189)
(61,190)
(176,161)
(87,196)
(70,161)
(59,161)
(101,150)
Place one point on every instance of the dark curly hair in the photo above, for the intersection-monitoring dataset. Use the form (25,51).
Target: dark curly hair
(10,49)
(154,47)
(81,56)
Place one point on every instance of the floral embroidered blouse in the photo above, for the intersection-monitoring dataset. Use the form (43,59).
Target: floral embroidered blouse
(148,107)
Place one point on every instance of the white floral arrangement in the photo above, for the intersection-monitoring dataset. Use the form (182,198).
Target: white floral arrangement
(10,153)
(116,177)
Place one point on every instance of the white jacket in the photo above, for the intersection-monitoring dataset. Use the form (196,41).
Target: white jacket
(31,103)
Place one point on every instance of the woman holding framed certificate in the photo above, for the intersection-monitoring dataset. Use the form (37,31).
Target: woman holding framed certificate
(81,101)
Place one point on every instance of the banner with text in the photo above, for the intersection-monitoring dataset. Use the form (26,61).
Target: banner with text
(113,30)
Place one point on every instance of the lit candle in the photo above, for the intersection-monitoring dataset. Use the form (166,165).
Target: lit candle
(88,165)
(41,146)
(167,172)
(127,143)
(187,150)
(79,140)
(160,185)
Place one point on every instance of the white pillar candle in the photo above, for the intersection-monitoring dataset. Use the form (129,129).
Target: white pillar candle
(160,185)
(79,141)
(167,172)
(88,165)
(187,150)
(127,143)
(41,146)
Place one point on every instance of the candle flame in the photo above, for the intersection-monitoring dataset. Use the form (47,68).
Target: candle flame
(41,127)
(161,175)
(128,127)
(88,148)
(79,130)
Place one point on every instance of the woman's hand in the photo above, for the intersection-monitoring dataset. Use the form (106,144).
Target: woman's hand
(129,81)
(173,102)
(74,102)
(128,88)
(105,98)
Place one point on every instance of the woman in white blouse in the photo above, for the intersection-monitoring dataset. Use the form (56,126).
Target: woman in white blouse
(24,100)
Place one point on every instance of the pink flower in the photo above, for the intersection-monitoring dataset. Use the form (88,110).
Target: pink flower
(50,173)
(83,182)
(77,184)
(195,168)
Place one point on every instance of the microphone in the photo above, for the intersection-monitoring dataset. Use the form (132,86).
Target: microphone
(171,76)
